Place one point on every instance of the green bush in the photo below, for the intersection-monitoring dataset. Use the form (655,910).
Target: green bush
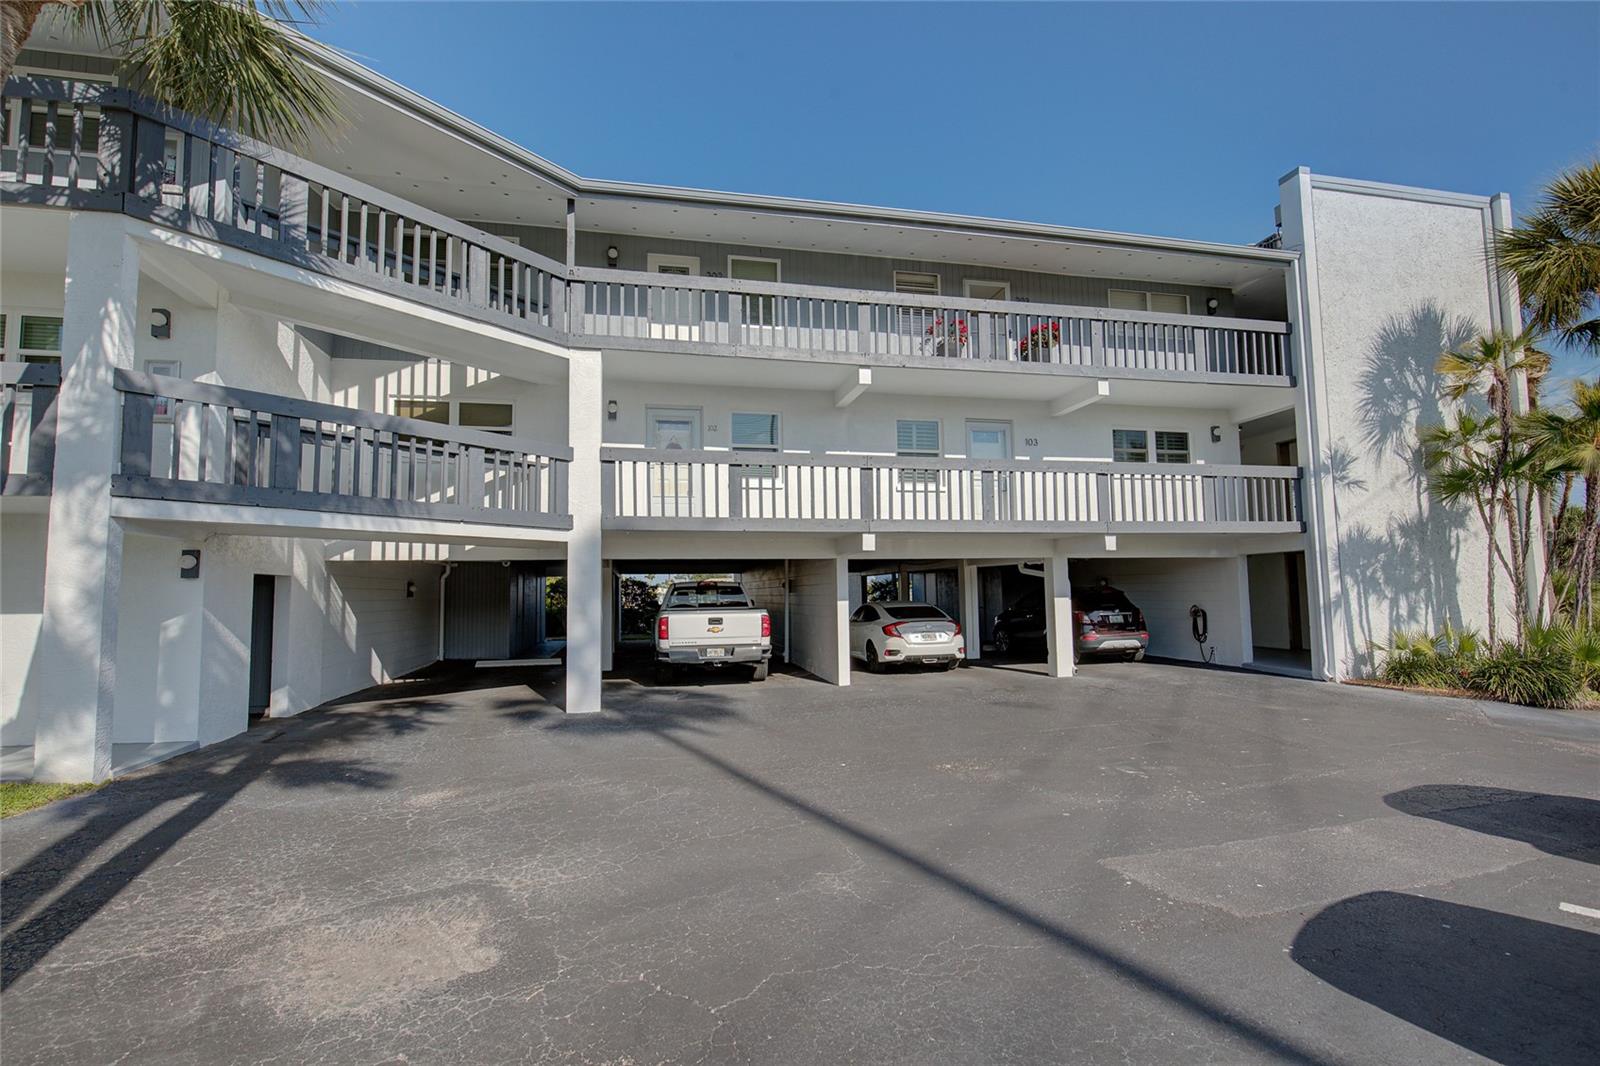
(1415,658)
(1541,675)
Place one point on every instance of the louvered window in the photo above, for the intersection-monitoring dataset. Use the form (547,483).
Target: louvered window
(909,281)
(917,437)
(1172,446)
(39,339)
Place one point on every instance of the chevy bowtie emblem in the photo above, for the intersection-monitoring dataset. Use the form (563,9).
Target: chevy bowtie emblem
(714,629)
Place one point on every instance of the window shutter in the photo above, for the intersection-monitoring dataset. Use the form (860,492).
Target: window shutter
(40,333)
(1169,303)
(916,283)
(755,431)
(1172,446)
(917,437)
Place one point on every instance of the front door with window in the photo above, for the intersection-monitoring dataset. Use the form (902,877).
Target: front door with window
(675,314)
(672,429)
(991,441)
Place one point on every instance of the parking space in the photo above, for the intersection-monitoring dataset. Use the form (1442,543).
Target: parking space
(979,866)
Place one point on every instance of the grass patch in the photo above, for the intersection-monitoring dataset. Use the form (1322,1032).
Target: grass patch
(19,796)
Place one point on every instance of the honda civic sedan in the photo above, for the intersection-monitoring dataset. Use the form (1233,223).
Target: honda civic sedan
(882,634)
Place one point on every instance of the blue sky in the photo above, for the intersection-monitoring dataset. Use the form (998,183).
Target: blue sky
(1174,119)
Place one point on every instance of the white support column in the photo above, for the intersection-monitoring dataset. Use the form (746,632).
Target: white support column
(971,616)
(75,660)
(586,586)
(1241,584)
(1058,615)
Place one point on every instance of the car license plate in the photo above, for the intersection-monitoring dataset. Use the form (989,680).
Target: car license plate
(713,653)
(927,638)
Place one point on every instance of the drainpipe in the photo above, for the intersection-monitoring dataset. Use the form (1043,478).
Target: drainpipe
(1031,570)
(444,575)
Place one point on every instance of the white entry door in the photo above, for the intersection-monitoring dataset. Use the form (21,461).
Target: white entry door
(991,441)
(675,314)
(672,485)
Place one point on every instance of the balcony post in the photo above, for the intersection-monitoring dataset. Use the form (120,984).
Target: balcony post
(149,159)
(294,198)
(1097,342)
(477,274)
(116,145)
(72,680)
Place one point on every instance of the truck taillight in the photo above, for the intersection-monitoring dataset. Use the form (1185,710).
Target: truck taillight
(661,628)
(766,624)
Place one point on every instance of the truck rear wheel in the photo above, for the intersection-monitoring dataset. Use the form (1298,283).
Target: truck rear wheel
(761,671)
(664,673)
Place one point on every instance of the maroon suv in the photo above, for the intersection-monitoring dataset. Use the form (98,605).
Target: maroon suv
(1104,622)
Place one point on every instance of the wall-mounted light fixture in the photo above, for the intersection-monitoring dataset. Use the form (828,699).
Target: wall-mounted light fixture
(411,590)
(611,410)
(161,328)
(1216,434)
(189,564)
(1212,304)
(612,255)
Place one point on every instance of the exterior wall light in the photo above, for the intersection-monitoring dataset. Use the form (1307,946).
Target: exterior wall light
(611,410)
(1211,305)
(1216,434)
(612,254)
(411,590)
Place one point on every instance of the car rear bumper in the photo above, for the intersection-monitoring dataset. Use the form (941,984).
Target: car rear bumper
(732,653)
(1108,643)
(905,651)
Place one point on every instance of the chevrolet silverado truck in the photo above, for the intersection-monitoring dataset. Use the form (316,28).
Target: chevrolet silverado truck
(711,625)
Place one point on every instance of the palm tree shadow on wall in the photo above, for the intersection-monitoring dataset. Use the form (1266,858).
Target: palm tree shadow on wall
(1404,573)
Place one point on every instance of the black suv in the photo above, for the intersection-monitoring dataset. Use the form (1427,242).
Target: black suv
(1104,622)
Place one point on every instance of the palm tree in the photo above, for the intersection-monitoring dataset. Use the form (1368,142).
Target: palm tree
(1492,368)
(1571,437)
(1460,456)
(230,61)
(1555,257)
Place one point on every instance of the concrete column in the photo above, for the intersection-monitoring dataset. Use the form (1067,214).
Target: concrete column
(1059,636)
(1241,585)
(75,665)
(586,586)
(971,610)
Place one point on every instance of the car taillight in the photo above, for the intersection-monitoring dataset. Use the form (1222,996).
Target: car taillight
(892,629)
(957,633)
(661,628)
(766,625)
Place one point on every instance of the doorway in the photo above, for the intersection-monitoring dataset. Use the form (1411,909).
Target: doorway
(263,604)
(991,441)
(672,429)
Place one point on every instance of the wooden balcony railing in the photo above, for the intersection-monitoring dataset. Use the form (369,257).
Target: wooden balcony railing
(704,490)
(182,440)
(105,148)
(28,428)
(659,311)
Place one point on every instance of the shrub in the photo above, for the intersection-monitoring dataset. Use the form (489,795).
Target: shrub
(1541,675)
(1580,642)
(1414,658)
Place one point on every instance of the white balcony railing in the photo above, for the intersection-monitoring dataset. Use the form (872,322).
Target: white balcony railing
(704,490)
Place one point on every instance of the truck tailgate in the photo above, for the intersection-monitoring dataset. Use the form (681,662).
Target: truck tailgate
(695,628)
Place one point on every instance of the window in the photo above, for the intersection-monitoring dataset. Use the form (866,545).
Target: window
(706,594)
(1130,446)
(864,614)
(758,310)
(917,437)
(919,284)
(987,290)
(1172,446)
(916,613)
(493,417)
(1166,303)
(661,263)
(469,414)
(1133,446)
(3,337)
(425,410)
(39,339)
(756,433)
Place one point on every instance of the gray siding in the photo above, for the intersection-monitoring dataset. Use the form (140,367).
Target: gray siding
(803,267)
(66,62)
(477,612)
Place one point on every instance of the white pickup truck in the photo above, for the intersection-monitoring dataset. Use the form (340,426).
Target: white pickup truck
(711,624)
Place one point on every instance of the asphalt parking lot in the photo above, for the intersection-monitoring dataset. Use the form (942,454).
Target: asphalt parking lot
(1147,863)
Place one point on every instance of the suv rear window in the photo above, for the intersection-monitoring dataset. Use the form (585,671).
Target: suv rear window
(1098,599)
(707,594)
(913,613)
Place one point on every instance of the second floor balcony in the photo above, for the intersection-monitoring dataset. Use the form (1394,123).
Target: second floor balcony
(86,146)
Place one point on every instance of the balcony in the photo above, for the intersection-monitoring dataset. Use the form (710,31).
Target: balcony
(180,172)
(704,490)
(206,444)
(28,428)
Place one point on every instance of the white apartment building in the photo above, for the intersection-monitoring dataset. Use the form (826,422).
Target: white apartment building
(281,426)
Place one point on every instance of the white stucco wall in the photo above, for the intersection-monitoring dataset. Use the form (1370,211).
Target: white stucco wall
(1165,589)
(1394,279)
(158,645)
(373,632)
(819,602)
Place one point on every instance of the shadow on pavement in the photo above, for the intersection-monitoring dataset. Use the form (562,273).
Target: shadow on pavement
(1568,826)
(1511,989)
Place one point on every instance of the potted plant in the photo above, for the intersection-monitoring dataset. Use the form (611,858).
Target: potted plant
(1040,339)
